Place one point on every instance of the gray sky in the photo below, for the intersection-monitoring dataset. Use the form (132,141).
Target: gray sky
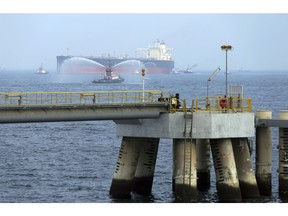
(259,40)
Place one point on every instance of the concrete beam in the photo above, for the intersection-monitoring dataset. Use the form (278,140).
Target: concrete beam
(281,123)
(25,114)
(205,126)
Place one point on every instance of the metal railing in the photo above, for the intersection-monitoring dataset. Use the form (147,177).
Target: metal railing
(220,104)
(9,99)
(211,104)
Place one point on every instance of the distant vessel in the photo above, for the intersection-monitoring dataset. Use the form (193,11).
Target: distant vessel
(243,70)
(41,70)
(188,70)
(157,60)
(109,76)
(175,71)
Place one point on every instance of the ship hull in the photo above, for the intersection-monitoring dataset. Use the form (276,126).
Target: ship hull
(94,65)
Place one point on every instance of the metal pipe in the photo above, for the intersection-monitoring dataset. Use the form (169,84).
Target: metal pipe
(210,79)
(226,75)
(226,48)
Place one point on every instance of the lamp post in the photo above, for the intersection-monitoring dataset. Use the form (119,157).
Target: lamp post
(210,79)
(143,74)
(226,48)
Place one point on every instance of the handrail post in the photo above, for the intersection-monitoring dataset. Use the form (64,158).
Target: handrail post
(249,105)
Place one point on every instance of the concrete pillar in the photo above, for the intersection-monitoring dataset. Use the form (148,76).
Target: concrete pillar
(225,169)
(123,177)
(184,170)
(264,154)
(283,156)
(244,165)
(144,174)
(203,164)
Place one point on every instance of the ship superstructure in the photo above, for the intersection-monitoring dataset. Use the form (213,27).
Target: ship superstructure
(157,51)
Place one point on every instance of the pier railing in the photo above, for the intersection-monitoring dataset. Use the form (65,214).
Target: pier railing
(9,99)
(222,104)
(211,104)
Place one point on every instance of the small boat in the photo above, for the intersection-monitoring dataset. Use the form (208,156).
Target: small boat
(175,71)
(109,77)
(243,70)
(41,70)
(188,70)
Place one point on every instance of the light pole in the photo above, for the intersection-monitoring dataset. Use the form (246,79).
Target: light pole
(143,74)
(210,79)
(226,48)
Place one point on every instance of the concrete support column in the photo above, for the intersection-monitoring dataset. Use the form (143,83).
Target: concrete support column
(264,154)
(203,164)
(244,165)
(144,174)
(123,177)
(225,168)
(283,156)
(184,170)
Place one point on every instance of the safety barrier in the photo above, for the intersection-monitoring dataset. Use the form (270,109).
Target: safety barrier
(222,104)
(211,104)
(70,98)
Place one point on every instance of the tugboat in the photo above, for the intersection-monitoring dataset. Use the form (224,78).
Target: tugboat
(109,77)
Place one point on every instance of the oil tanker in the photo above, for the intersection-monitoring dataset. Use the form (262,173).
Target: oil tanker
(157,59)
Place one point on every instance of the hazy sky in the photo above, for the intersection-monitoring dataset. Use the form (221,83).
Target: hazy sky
(260,41)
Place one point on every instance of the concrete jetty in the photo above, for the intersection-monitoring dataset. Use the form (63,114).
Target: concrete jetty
(204,130)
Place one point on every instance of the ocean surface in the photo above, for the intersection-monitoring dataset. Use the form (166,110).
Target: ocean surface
(73,162)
